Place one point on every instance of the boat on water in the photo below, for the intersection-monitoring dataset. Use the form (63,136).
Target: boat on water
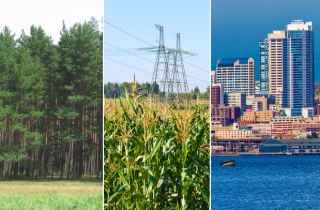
(228,163)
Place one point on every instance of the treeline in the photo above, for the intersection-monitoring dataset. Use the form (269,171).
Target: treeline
(204,96)
(51,103)
(116,90)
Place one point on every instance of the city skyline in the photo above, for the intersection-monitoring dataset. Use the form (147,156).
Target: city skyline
(237,33)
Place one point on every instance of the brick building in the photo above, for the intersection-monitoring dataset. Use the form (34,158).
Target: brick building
(215,96)
(225,114)
(221,114)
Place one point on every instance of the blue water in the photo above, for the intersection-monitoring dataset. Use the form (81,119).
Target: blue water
(266,182)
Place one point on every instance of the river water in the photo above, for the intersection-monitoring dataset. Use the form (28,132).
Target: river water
(266,182)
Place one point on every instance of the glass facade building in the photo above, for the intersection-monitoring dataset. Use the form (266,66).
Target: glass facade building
(264,66)
(298,65)
(236,74)
(288,68)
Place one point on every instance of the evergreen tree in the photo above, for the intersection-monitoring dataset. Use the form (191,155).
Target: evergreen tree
(51,103)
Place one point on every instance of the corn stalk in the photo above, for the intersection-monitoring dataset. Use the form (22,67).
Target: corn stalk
(156,156)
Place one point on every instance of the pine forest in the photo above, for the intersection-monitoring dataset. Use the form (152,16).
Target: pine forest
(51,103)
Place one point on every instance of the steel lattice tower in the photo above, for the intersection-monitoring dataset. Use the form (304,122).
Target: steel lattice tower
(169,72)
(161,74)
(179,79)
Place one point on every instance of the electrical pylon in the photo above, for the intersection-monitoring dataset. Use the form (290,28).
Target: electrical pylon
(169,73)
(179,79)
(161,74)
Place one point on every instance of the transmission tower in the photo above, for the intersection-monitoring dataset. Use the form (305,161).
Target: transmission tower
(171,55)
(169,73)
(179,79)
(161,74)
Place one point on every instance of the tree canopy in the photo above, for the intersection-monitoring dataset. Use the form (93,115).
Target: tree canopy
(51,102)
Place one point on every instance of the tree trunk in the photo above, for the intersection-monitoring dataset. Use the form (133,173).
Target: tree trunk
(2,169)
(16,170)
(45,163)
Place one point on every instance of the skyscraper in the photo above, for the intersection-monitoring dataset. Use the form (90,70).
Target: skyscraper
(264,66)
(290,65)
(276,64)
(236,74)
(298,71)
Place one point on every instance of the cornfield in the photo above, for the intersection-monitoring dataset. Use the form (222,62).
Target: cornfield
(156,155)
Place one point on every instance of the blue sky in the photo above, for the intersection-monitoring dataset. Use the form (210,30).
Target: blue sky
(190,18)
(237,26)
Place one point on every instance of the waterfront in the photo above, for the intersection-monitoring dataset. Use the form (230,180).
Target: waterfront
(266,182)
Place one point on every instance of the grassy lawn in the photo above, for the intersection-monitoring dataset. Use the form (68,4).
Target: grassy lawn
(51,194)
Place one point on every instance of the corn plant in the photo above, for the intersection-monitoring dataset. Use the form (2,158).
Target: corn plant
(156,156)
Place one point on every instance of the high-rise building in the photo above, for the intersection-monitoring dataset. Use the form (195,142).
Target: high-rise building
(290,65)
(264,66)
(236,74)
(276,64)
(298,71)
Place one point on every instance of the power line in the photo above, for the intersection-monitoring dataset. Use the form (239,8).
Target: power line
(149,60)
(198,79)
(127,33)
(196,67)
(129,52)
(128,65)
(150,44)
(140,69)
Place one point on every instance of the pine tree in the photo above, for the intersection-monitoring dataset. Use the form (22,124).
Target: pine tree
(51,103)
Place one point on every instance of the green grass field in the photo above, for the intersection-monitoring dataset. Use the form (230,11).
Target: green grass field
(51,194)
